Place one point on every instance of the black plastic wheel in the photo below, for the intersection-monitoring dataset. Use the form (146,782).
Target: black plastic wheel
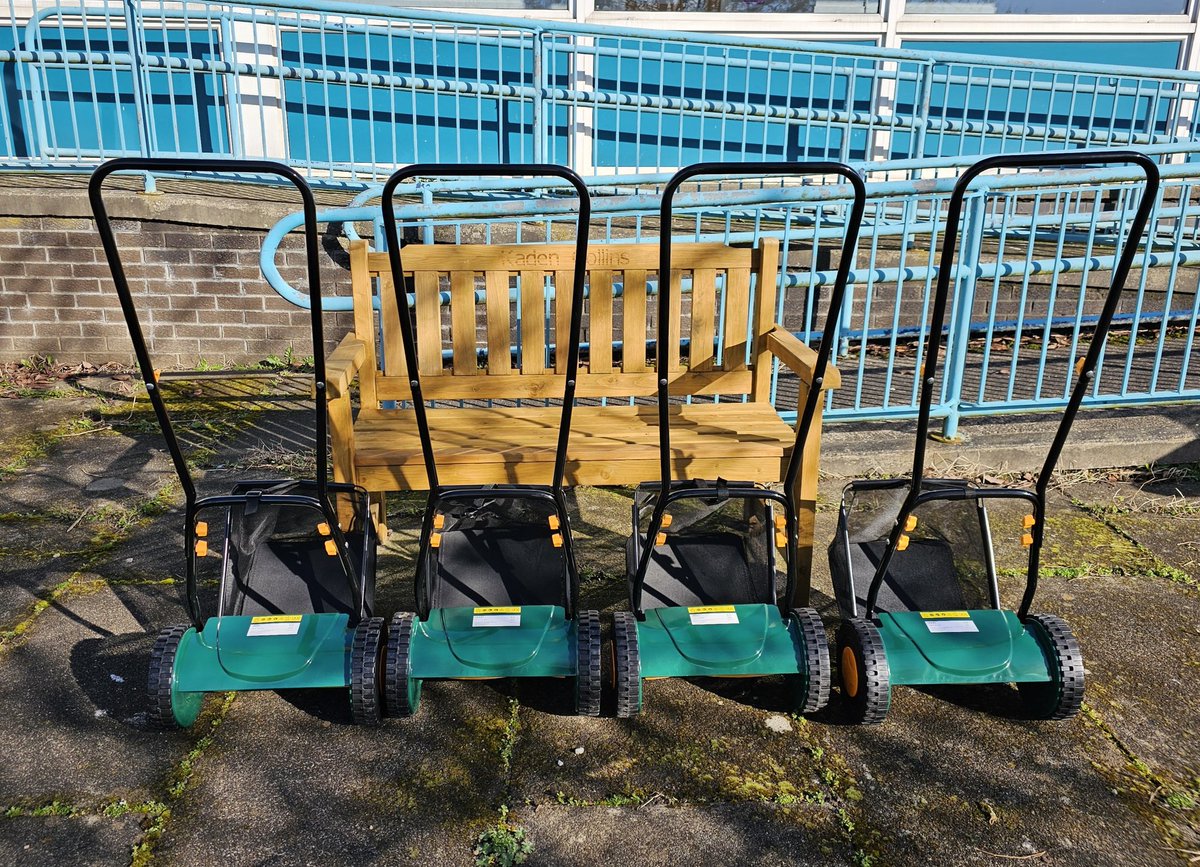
(366,672)
(1062,695)
(160,684)
(812,684)
(587,655)
(402,690)
(626,667)
(866,678)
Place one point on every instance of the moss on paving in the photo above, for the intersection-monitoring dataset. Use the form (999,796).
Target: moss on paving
(22,450)
(1172,806)
(156,814)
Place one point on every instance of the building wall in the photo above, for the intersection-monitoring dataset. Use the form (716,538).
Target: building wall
(201,295)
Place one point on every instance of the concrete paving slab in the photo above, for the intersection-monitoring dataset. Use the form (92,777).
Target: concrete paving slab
(96,472)
(72,695)
(1099,438)
(81,841)
(950,778)
(692,743)
(23,416)
(24,584)
(1141,645)
(754,835)
(288,781)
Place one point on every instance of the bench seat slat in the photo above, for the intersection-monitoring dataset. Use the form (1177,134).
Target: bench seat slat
(527,434)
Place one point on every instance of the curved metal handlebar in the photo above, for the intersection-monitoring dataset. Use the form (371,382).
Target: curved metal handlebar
(112,253)
(1086,371)
(533,170)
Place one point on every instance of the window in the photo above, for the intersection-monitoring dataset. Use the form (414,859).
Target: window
(1050,7)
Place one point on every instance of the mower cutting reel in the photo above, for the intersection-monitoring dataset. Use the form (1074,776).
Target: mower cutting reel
(496,582)
(705,557)
(295,585)
(913,565)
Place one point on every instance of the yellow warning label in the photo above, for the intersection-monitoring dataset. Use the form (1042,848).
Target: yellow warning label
(946,615)
(515,609)
(711,609)
(277,618)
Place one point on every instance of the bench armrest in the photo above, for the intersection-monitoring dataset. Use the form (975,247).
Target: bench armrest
(342,366)
(799,358)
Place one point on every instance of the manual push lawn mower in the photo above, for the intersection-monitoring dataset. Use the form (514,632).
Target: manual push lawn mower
(912,563)
(497,588)
(296,588)
(702,558)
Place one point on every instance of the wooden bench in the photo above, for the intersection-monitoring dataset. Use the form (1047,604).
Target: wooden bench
(733,291)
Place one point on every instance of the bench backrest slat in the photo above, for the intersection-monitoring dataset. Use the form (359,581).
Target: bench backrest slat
(727,317)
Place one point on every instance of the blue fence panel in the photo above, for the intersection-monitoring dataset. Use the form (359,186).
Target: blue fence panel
(347,92)
(89,110)
(331,123)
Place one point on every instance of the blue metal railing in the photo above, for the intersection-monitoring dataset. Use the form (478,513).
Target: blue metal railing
(346,92)
(1019,320)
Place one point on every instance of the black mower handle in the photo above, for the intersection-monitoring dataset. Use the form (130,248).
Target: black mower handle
(1083,382)
(145,365)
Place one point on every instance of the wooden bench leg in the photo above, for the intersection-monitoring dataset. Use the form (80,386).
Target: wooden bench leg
(341,435)
(378,513)
(805,494)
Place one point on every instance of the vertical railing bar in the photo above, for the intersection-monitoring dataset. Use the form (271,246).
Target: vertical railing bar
(1192,321)
(1046,126)
(45,129)
(172,102)
(456,45)
(897,307)
(959,336)
(351,162)
(1112,133)
(1063,196)
(789,96)
(1139,300)
(329,152)
(1169,298)
(302,88)
(389,40)
(86,30)
(931,266)
(479,103)
(62,41)
(1018,333)
(227,98)
(260,90)
(413,113)
(1077,327)
(1125,207)
(369,60)
(197,96)
(685,60)
(868,303)
(988,335)
(29,108)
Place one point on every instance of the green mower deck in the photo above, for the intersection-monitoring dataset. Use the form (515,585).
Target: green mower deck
(748,640)
(967,647)
(485,643)
(235,654)
(526,641)
(719,640)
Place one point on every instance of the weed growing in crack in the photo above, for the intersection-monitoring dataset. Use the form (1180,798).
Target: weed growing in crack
(503,844)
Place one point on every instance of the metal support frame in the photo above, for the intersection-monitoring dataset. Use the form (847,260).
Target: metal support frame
(438,492)
(1087,366)
(668,489)
(192,503)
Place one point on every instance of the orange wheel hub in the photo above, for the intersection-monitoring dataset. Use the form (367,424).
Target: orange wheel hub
(849,672)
